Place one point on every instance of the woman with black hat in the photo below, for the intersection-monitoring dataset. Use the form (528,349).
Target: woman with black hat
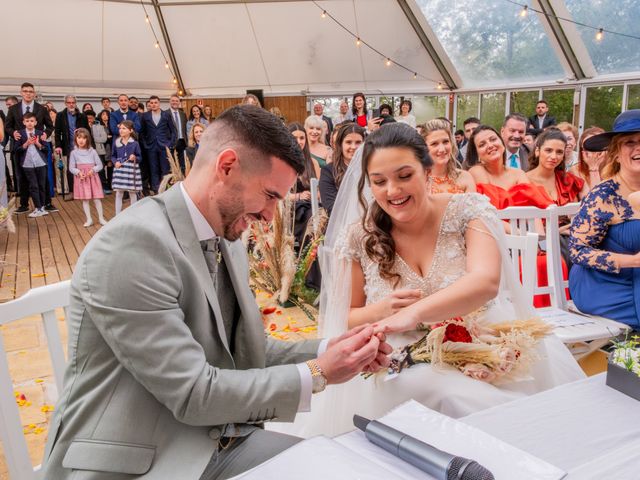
(605,235)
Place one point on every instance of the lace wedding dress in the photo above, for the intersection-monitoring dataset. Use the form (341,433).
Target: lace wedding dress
(442,388)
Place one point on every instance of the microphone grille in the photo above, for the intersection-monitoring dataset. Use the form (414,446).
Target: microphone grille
(462,468)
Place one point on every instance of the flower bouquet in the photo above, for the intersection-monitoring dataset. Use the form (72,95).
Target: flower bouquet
(175,175)
(490,352)
(623,372)
(6,213)
(273,264)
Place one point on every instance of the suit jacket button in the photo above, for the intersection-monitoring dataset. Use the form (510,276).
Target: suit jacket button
(214,433)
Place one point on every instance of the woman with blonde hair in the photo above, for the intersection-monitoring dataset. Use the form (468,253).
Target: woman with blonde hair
(251,99)
(194,141)
(605,234)
(444,175)
(320,152)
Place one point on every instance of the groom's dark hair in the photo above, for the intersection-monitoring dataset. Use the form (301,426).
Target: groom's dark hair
(261,134)
(378,242)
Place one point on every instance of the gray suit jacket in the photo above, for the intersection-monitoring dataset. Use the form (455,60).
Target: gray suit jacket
(151,382)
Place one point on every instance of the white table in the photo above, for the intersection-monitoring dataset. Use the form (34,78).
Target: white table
(585,428)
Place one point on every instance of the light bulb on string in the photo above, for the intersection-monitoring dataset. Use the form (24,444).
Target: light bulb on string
(358,42)
(600,35)
(157,45)
(175,81)
(166,64)
(180,92)
(524,11)
(439,86)
(415,75)
(388,62)
(146,18)
(324,14)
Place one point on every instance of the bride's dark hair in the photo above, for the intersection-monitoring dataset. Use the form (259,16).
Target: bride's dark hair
(377,225)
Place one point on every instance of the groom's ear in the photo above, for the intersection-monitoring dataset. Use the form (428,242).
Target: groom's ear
(227,165)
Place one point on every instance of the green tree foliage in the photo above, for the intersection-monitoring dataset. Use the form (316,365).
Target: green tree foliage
(560,104)
(604,104)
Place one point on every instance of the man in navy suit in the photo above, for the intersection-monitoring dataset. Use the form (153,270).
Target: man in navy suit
(13,127)
(158,133)
(123,113)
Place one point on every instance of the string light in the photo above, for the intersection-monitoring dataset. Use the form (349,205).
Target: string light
(146,18)
(180,92)
(599,30)
(439,86)
(388,61)
(166,64)
(157,45)
(175,80)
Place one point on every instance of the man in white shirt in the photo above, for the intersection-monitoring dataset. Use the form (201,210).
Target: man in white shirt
(177,340)
(512,133)
(541,119)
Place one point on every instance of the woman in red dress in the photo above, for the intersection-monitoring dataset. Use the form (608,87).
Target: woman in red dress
(547,169)
(505,186)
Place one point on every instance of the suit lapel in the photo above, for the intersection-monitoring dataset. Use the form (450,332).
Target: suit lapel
(186,236)
(249,349)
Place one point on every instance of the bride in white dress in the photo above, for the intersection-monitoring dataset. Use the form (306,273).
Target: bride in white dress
(421,259)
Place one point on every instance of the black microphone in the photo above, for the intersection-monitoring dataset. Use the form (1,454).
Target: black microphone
(440,465)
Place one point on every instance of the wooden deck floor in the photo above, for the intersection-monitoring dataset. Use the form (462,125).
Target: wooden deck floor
(45,250)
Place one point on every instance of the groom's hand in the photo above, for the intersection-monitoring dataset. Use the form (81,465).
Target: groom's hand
(350,354)
(382,358)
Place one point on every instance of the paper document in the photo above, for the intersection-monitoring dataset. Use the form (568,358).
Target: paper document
(562,318)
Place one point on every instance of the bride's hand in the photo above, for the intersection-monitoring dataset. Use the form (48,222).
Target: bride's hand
(403,321)
(399,299)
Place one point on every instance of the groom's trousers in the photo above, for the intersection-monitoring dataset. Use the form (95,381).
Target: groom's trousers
(244,453)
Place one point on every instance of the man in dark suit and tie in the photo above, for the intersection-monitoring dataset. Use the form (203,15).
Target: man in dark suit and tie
(13,127)
(67,121)
(180,122)
(512,133)
(541,119)
(158,133)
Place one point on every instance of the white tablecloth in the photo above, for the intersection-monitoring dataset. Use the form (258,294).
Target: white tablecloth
(585,428)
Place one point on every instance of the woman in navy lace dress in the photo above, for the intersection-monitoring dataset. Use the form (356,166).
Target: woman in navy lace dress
(605,235)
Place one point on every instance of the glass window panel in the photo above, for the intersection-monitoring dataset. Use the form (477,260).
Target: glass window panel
(633,97)
(603,105)
(614,53)
(492,109)
(467,107)
(428,108)
(560,104)
(331,105)
(524,102)
(488,42)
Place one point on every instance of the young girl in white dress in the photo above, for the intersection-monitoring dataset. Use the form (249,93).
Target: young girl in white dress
(416,259)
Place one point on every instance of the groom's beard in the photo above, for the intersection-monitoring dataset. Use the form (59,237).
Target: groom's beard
(231,212)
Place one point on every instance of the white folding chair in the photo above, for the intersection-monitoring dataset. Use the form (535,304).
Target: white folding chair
(42,301)
(315,204)
(524,251)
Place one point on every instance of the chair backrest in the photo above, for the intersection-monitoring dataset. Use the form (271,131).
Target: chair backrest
(42,301)
(523,220)
(315,205)
(554,255)
(524,250)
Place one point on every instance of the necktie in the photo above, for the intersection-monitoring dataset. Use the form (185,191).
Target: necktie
(212,257)
(513,161)
(176,120)
(28,108)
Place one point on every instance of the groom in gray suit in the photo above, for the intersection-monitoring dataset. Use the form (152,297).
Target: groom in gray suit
(170,375)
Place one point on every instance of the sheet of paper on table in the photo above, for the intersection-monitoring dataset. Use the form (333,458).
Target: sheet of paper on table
(352,456)
(562,318)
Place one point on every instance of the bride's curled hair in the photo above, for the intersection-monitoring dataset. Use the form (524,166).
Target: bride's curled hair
(377,224)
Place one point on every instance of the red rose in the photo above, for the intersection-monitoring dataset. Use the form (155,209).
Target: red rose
(456,333)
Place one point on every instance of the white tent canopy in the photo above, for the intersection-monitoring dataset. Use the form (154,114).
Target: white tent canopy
(285,47)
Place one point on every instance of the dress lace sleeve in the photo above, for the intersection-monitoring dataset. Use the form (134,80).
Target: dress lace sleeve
(601,208)
(466,207)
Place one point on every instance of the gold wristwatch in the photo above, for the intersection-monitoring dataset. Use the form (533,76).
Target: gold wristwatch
(319,381)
